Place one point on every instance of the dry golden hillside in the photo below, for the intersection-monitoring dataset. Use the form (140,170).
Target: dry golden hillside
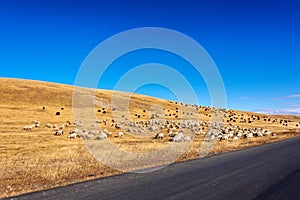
(37,159)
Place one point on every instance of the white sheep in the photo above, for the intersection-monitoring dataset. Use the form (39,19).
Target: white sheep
(35,122)
(109,134)
(199,131)
(88,136)
(59,133)
(120,134)
(220,136)
(81,134)
(62,126)
(159,136)
(225,137)
(171,133)
(235,138)
(72,136)
(259,134)
(266,133)
(105,131)
(76,130)
(28,128)
(239,134)
(178,137)
(101,136)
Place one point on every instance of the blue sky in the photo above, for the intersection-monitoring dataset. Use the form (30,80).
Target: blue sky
(255,44)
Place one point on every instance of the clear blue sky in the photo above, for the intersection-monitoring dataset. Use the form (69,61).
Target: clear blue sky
(255,44)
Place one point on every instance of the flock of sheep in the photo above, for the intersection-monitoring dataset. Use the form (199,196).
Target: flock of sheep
(35,124)
(173,130)
(76,132)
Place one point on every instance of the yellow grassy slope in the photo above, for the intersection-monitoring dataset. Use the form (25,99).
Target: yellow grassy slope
(33,160)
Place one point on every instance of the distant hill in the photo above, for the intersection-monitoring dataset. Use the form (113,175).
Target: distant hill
(278,112)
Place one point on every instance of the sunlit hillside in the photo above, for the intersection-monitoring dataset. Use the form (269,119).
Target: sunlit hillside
(36,158)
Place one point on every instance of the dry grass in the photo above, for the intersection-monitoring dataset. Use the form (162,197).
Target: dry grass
(34,160)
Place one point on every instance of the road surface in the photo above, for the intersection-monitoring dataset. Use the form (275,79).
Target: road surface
(270,171)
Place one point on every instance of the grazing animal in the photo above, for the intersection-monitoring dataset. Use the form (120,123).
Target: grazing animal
(35,122)
(235,138)
(178,137)
(59,133)
(109,134)
(101,136)
(72,136)
(120,134)
(159,136)
(62,126)
(28,128)
(225,137)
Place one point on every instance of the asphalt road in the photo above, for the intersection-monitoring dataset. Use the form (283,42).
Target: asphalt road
(270,171)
